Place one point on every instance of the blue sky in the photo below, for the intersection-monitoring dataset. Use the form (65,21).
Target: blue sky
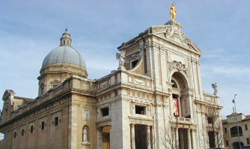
(29,30)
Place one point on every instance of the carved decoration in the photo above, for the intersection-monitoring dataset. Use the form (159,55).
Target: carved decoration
(140,82)
(178,66)
(104,84)
(55,82)
(173,31)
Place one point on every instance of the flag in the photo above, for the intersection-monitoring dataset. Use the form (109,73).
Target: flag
(175,107)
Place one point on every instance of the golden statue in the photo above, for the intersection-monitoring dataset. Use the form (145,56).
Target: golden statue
(173,12)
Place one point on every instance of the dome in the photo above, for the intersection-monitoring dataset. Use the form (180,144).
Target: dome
(64,53)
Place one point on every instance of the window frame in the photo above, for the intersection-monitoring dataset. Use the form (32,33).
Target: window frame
(141,110)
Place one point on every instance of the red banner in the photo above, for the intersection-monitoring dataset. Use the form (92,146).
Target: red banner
(175,107)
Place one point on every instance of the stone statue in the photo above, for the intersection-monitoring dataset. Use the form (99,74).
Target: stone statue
(214,86)
(121,57)
(85,134)
(173,12)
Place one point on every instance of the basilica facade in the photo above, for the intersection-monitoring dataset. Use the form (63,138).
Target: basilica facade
(153,100)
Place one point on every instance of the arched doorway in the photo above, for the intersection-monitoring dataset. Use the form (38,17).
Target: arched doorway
(236,145)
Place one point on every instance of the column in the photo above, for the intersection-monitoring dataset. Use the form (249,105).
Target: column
(189,138)
(132,137)
(194,138)
(149,137)
(176,143)
(99,138)
(153,136)
(180,106)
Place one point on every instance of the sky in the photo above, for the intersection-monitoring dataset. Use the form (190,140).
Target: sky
(29,30)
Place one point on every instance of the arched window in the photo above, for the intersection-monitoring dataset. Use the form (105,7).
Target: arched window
(234,131)
(181,101)
(85,134)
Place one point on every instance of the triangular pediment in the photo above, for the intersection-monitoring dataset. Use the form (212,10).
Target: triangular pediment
(171,32)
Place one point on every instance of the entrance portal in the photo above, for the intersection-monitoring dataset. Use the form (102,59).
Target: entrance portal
(106,137)
(236,145)
(183,138)
(141,138)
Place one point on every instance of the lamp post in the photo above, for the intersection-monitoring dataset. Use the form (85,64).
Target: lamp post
(236,120)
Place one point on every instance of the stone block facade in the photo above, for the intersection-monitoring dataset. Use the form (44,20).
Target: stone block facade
(153,100)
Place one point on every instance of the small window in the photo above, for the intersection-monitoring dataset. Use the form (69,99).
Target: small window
(42,125)
(174,84)
(22,132)
(225,130)
(246,127)
(56,121)
(14,134)
(210,120)
(140,110)
(134,63)
(226,143)
(31,129)
(248,141)
(105,111)
(42,89)
(175,96)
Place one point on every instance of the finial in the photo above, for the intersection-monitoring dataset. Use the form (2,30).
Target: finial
(173,12)
(66,29)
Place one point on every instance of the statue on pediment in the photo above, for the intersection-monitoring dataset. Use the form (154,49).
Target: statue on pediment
(121,57)
(173,12)
(214,86)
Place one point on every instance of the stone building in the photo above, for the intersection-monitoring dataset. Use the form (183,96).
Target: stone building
(153,100)
(236,129)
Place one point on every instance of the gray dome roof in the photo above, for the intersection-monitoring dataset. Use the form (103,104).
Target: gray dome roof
(64,54)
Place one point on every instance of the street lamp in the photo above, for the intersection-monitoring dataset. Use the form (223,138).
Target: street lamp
(236,120)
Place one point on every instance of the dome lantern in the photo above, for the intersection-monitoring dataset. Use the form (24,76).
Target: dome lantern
(65,39)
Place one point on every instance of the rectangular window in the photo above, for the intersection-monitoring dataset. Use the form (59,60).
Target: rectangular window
(210,120)
(105,111)
(225,130)
(56,121)
(246,127)
(140,110)
(226,143)
(22,132)
(14,134)
(42,125)
(31,129)
(248,141)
